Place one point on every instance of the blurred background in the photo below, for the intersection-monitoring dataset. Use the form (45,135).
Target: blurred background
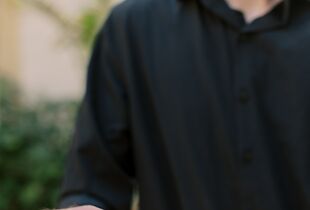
(44,50)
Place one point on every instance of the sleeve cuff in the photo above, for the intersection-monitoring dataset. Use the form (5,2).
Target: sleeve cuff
(80,200)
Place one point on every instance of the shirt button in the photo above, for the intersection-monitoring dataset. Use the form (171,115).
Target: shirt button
(242,37)
(247,157)
(244,96)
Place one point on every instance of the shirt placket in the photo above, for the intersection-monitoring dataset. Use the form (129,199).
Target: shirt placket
(243,67)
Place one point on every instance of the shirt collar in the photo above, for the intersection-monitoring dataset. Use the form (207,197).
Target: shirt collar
(213,5)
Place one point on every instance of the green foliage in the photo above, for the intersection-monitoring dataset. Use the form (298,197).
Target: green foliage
(34,140)
(33,144)
(89,25)
(91,20)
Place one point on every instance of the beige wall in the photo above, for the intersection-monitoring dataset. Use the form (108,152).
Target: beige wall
(34,52)
(50,69)
(9,42)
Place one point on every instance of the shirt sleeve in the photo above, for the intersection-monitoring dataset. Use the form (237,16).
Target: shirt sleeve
(99,169)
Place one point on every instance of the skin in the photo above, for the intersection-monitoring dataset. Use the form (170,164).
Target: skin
(87,207)
(251,9)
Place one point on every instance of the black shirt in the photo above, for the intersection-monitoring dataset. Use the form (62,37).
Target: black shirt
(200,109)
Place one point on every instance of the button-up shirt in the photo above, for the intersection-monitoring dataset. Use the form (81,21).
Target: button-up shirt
(198,108)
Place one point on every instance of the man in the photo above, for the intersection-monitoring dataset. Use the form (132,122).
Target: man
(205,104)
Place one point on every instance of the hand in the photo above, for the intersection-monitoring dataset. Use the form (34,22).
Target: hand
(88,207)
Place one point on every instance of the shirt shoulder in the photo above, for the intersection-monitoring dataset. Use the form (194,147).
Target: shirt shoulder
(137,12)
(138,22)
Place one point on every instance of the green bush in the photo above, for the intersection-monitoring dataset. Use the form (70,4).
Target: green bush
(33,144)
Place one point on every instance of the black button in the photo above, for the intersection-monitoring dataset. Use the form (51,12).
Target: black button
(242,37)
(244,96)
(247,156)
